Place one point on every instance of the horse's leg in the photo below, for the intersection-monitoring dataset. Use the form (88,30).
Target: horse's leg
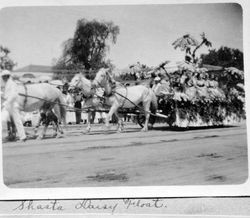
(57,117)
(112,110)
(88,122)
(102,119)
(120,122)
(147,115)
(93,113)
(60,130)
(37,126)
(13,127)
(55,128)
(42,135)
(58,127)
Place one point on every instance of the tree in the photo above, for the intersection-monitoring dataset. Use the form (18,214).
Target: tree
(225,57)
(66,70)
(187,42)
(87,49)
(6,63)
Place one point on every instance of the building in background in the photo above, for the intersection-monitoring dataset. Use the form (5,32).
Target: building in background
(34,73)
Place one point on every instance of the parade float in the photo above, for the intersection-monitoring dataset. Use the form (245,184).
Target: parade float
(198,94)
(200,97)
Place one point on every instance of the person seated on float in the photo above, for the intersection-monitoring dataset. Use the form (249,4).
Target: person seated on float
(190,85)
(152,78)
(183,78)
(206,85)
(213,88)
(201,85)
(161,87)
(165,84)
(180,87)
(157,85)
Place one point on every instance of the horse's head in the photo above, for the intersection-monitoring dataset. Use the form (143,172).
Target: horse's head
(104,79)
(101,78)
(76,82)
(80,84)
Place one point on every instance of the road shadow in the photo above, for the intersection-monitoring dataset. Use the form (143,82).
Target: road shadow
(191,128)
(110,132)
(159,128)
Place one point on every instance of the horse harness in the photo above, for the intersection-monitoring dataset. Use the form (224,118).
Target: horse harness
(124,97)
(113,91)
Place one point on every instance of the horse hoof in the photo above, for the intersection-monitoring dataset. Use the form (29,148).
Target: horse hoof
(119,131)
(59,136)
(35,131)
(22,139)
(107,128)
(144,130)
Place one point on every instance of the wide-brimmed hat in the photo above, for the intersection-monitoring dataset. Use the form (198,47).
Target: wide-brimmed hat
(5,73)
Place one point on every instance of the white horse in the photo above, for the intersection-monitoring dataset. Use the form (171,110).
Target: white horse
(92,96)
(125,97)
(42,96)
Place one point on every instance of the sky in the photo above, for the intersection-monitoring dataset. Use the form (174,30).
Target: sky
(35,35)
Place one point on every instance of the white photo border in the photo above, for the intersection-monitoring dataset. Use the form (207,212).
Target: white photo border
(7,193)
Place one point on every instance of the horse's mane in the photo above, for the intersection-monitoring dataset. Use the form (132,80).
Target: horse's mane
(86,83)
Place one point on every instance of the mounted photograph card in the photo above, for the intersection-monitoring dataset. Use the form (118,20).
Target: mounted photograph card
(132,100)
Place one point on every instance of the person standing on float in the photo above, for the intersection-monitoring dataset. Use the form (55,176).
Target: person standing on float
(10,105)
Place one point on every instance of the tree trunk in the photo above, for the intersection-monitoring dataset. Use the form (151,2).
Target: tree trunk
(87,66)
(194,51)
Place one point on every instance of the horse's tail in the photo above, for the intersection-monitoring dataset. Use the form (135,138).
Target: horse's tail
(62,108)
(154,104)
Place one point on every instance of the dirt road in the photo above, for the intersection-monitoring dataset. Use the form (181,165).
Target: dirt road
(158,157)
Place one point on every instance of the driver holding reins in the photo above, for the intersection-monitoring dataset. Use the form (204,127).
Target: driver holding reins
(10,105)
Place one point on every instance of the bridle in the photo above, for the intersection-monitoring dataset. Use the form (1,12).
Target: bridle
(78,89)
